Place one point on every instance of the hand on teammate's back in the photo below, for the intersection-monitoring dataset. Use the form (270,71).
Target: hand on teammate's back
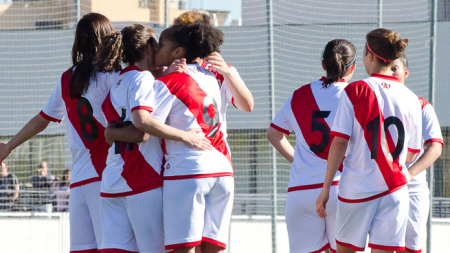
(177,66)
(215,61)
(4,151)
(193,140)
(107,136)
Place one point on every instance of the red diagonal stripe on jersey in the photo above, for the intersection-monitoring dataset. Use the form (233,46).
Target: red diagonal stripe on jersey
(303,105)
(187,90)
(138,173)
(366,107)
(98,149)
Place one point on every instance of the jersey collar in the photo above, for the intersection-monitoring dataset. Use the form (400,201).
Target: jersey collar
(129,68)
(324,78)
(378,75)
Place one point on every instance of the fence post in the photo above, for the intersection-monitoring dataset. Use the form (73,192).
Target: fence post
(380,13)
(78,10)
(166,12)
(274,152)
(431,98)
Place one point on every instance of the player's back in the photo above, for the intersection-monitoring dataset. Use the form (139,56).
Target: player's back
(386,124)
(188,101)
(131,168)
(85,126)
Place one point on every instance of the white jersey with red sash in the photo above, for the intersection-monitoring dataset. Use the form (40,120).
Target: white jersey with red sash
(310,112)
(85,127)
(187,101)
(131,168)
(431,132)
(382,120)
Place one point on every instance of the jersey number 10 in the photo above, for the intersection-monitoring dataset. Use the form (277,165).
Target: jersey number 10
(374,126)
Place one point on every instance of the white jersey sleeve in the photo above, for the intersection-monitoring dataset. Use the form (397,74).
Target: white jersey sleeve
(281,121)
(161,100)
(415,141)
(54,109)
(140,93)
(431,129)
(344,119)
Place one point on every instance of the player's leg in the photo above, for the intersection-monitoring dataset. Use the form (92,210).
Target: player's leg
(330,220)
(353,221)
(306,230)
(92,194)
(218,208)
(82,235)
(145,212)
(117,233)
(417,221)
(388,229)
(184,211)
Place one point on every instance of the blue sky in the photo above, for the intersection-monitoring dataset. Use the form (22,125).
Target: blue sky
(234,6)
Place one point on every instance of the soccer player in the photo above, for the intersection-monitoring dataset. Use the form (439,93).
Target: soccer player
(131,193)
(198,185)
(419,200)
(378,125)
(310,112)
(78,96)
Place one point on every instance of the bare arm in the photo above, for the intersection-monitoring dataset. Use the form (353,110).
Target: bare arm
(144,122)
(243,98)
(128,134)
(335,157)
(410,156)
(280,142)
(432,152)
(33,127)
(15,194)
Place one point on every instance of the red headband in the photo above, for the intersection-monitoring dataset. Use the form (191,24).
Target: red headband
(379,57)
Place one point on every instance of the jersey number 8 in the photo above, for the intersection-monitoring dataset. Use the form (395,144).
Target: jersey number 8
(86,119)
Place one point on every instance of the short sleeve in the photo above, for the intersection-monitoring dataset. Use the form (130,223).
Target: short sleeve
(415,133)
(281,121)
(140,92)
(345,116)
(54,108)
(15,179)
(161,101)
(431,130)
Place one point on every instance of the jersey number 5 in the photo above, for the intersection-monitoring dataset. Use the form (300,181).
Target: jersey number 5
(86,119)
(317,126)
(374,126)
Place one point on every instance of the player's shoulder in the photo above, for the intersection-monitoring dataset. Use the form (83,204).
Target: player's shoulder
(423,102)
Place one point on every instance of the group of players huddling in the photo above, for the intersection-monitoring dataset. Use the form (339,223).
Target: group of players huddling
(152,169)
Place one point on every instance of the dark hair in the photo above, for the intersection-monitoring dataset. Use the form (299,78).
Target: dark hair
(386,44)
(338,56)
(404,60)
(88,36)
(125,46)
(64,177)
(199,39)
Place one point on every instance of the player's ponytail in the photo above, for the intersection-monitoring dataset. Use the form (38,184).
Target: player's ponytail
(127,46)
(338,57)
(199,38)
(386,45)
(88,36)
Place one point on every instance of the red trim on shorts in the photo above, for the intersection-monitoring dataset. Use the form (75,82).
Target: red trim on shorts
(217,243)
(434,140)
(124,194)
(414,150)
(389,248)
(309,187)
(286,132)
(85,182)
(85,251)
(337,134)
(221,174)
(116,251)
(183,245)
(370,198)
(45,116)
(147,108)
(348,245)
(413,251)
(327,246)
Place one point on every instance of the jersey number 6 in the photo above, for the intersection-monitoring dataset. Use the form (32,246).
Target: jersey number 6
(86,119)
(211,121)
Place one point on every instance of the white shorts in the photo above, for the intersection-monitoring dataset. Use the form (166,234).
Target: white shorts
(385,217)
(417,221)
(85,225)
(133,223)
(307,231)
(196,210)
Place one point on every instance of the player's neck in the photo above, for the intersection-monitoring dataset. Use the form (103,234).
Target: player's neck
(381,70)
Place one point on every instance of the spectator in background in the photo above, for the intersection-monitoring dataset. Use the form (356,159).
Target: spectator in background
(61,189)
(43,180)
(8,182)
